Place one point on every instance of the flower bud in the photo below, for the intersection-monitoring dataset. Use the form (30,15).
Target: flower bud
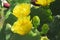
(45,28)
(36,21)
(44,38)
(6,5)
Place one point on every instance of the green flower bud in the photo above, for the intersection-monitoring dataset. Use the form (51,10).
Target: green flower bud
(45,28)
(49,12)
(50,18)
(36,21)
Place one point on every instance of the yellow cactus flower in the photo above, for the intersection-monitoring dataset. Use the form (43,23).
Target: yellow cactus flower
(44,38)
(44,2)
(22,26)
(21,10)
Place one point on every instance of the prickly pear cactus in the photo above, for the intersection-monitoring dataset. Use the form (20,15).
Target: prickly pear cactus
(27,20)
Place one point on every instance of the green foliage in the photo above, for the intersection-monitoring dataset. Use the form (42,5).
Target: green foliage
(55,28)
(41,18)
(43,13)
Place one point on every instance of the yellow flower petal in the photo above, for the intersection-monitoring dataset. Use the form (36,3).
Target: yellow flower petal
(22,26)
(44,38)
(44,2)
(21,10)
